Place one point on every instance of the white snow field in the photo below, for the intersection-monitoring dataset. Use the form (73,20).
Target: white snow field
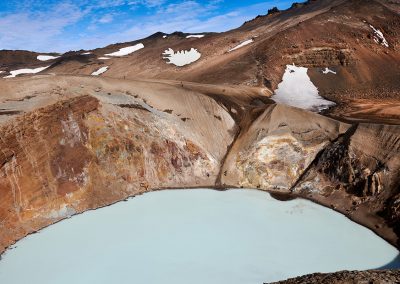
(195,36)
(327,70)
(379,37)
(46,57)
(100,71)
(104,58)
(86,53)
(126,50)
(25,71)
(181,58)
(164,36)
(241,45)
(296,89)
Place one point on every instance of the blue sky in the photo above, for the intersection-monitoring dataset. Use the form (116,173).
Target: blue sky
(50,25)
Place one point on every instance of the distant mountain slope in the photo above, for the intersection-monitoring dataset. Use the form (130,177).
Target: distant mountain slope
(16,59)
(356,39)
(216,64)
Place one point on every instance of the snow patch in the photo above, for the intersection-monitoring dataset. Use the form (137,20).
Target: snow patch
(100,71)
(195,36)
(86,53)
(46,57)
(379,37)
(181,58)
(241,45)
(164,36)
(296,89)
(25,71)
(126,50)
(327,70)
(104,58)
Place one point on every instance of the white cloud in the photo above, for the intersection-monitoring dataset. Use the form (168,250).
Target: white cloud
(72,25)
(147,3)
(108,3)
(35,30)
(183,16)
(106,19)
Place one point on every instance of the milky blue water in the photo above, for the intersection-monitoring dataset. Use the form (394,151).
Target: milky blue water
(195,236)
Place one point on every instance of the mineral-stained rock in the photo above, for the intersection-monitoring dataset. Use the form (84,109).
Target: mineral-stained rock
(354,169)
(43,159)
(277,148)
(88,151)
(359,174)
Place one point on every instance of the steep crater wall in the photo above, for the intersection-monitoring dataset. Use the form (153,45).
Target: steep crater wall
(100,144)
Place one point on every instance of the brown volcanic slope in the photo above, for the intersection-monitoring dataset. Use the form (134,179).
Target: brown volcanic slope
(317,34)
(19,59)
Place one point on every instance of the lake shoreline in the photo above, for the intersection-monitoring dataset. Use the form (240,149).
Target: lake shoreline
(280,196)
(191,225)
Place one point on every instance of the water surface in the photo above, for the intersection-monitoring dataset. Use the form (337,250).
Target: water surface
(195,236)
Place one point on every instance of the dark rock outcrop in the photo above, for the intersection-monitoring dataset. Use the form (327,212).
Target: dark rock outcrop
(347,277)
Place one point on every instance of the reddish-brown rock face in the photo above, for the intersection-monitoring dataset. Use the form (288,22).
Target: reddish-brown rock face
(90,150)
(354,169)
(43,158)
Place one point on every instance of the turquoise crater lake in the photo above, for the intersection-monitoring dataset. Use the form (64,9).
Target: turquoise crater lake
(195,236)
